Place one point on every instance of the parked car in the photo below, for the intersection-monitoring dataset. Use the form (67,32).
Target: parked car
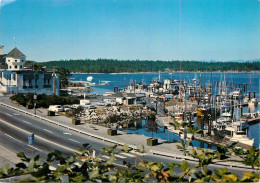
(66,108)
(102,103)
(90,106)
(75,106)
(56,108)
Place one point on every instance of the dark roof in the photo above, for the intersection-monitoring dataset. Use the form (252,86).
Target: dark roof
(117,95)
(2,59)
(15,53)
(131,95)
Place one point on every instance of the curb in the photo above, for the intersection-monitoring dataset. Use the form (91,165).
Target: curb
(188,158)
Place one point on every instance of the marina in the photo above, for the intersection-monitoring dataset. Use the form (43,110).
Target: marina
(199,94)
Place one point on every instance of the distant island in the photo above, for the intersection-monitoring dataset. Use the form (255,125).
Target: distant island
(132,66)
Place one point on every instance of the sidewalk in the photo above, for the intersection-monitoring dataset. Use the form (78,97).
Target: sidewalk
(131,139)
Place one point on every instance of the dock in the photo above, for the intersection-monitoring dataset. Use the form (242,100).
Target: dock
(253,121)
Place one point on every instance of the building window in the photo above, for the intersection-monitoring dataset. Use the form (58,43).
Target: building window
(21,67)
(22,60)
(14,77)
(8,60)
(15,60)
(15,67)
(10,67)
(30,83)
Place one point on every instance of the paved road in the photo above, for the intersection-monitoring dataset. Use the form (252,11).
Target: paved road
(15,127)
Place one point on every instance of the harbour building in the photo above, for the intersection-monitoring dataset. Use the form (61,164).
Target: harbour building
(15,78)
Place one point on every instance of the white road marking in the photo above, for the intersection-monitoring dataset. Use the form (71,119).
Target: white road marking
(16,114)
(47,130)
(12,137)
(66,133)
(105,156)
(34,148)
(26,122)
(8,114)
(140,154)
(122,157)
(130,155)
(75,140)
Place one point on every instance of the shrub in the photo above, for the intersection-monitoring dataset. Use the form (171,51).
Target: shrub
(44,100)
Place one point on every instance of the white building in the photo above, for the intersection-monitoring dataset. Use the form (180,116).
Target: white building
(16,79)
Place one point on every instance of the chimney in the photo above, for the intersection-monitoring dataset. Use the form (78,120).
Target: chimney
(1,50)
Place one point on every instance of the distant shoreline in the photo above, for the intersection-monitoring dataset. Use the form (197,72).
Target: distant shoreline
(169,72)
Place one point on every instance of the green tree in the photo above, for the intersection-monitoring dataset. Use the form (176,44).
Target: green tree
(64,74)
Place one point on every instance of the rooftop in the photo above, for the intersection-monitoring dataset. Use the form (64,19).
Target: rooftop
(15,53)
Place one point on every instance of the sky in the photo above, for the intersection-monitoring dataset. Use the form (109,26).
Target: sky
(206,30)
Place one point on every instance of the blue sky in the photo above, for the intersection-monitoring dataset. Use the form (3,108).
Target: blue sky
(132,29)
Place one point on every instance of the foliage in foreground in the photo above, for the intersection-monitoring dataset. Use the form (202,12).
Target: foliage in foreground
(43,100)
(87,167)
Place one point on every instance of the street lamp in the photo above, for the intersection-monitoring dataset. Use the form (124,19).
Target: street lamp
(35,83)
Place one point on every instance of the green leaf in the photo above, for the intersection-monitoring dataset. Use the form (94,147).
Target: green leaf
(249,177)
(78,178)
(230,177)
(111,160)
(185,166)
(94,174)
(126,148)
(112,178)
(172,165)
(155,168)
(61,169)
(23,157)
(21,165)
(70,159)
(221,172)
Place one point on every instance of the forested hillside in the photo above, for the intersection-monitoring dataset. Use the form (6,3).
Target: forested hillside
(117,66)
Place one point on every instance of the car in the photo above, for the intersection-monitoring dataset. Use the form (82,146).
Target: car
(66,108)
(101,103)
(92,107)
(75,106)
(56,108)
(89,106)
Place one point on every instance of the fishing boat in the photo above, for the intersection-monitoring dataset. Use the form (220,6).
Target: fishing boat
(237,134)
(253,102)
(227,114)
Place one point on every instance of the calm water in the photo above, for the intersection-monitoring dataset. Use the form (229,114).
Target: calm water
(252,79)
(164,134)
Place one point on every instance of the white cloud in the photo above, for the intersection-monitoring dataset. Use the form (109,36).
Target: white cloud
(5,2)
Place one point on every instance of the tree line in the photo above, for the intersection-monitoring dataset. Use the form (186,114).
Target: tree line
(119,66)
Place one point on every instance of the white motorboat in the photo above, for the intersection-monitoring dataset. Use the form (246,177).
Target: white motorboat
(253,102)
(227,114)
(239,135)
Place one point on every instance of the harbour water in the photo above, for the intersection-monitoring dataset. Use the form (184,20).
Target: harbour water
(121,80)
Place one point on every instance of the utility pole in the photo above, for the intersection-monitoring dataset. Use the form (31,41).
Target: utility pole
(54,75)
(34,96)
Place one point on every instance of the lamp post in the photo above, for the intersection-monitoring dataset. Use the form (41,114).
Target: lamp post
(54,83)
(34,95)
(35,83)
